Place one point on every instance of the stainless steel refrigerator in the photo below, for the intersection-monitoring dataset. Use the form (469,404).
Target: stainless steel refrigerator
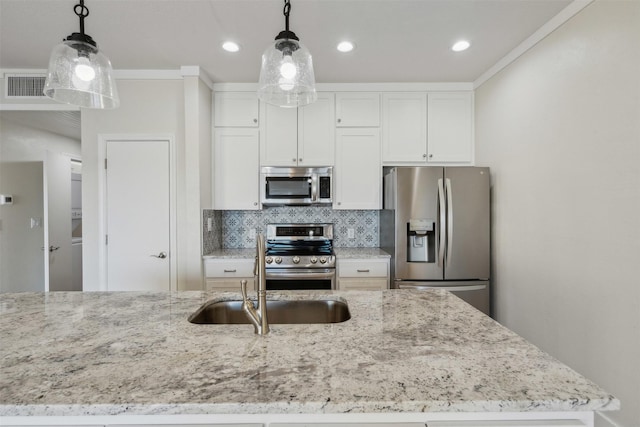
(435,224)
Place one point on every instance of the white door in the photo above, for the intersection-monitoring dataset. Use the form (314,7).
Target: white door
(138,217)
(58,221)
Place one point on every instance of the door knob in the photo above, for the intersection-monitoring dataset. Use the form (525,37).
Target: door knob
(161,255)
(52,248)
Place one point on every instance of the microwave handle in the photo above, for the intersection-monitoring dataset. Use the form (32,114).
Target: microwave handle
(314,187)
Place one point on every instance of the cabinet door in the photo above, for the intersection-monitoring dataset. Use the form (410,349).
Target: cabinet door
(235,109)
(358,173)
(404,128)
(236,169)
(280,143)
(357,109)
(316,132)
(450,127)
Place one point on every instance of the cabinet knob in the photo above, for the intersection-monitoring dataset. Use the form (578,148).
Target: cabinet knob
(293,160)
(431,156)
(300,159)
(339,120)
(339,203)
(255,120)
(255,203)
(424,156)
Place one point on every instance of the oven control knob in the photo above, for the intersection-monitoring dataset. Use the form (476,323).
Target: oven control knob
(323,259)
(269,260)
(313,260)
(296,259)
(278,260)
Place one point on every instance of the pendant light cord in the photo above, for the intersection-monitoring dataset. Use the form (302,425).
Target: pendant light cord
(82,11)
(285,11)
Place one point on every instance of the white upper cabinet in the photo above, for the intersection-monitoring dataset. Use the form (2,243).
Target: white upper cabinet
(235,109)
(450,127)
(316,132)
(236,169)
(299,137)
(280,143)
(404,127)
(357,109)
(358,172)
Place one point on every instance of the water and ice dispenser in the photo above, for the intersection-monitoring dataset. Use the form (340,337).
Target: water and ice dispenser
(421,238)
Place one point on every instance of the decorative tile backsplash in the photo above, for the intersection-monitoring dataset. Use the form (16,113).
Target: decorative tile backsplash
(236,225)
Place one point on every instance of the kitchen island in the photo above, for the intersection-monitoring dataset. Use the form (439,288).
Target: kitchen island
(404,356)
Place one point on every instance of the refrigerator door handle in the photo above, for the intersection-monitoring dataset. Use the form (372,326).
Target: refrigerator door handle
(449,221)
(442,240)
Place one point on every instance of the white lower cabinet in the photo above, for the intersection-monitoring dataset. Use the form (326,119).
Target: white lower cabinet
(363,274)
(226,274)
(186,425)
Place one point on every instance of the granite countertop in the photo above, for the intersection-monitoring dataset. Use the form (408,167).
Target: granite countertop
(402,351)
(341,253)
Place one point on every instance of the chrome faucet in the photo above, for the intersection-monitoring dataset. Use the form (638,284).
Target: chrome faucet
(257,315)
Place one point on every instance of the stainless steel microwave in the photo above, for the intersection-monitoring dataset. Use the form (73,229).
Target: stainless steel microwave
(282,186)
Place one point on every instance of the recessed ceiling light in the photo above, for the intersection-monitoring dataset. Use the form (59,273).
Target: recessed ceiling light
(230,46)
(345,46)
(460,46)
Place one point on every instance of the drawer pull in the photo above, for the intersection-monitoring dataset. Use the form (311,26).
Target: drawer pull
(229,271)
(363,271)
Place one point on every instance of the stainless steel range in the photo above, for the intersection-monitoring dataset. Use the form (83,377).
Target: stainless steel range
(300,256)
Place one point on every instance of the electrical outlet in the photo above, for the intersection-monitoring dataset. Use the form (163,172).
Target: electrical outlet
(351,233)
(252,233)
(209,224)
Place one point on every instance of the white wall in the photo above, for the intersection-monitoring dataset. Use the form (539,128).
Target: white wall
(21,259)
(198,119)
(560,129)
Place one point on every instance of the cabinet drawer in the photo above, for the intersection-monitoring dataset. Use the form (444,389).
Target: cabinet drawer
(228,285)
(224,268)
(348,268)
(364,284)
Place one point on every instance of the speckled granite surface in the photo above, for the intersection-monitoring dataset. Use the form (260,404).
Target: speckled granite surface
(136,353)
(364,253)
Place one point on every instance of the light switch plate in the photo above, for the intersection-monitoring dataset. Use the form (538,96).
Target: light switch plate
(252,233)
(351,233)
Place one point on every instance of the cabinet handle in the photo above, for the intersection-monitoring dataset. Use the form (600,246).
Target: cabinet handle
(363,270)
(229,271)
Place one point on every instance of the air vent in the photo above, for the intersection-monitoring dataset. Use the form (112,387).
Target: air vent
(24,85)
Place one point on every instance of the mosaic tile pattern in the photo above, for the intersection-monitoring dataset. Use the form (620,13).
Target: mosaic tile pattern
(211,240)
(236,225)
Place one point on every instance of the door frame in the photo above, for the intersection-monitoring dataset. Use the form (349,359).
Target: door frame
(103,139)
(45,213)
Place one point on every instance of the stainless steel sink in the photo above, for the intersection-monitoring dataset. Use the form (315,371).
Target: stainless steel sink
(278,311)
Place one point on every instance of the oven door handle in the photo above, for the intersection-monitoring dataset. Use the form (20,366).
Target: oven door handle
(301,274)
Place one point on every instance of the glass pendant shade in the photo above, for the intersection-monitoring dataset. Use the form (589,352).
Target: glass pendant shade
(286,75)
(81,75)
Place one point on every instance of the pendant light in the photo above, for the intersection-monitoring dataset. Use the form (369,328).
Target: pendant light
(79,74)
(286,76)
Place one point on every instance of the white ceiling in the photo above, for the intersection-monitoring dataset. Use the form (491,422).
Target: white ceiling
(397,40)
